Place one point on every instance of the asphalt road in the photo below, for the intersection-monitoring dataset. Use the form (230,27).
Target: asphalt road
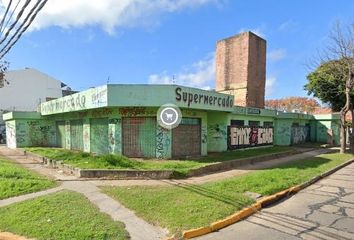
(322,211)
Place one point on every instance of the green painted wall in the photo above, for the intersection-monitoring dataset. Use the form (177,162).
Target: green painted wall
(217,131)
(31,132)
(32,129)
(282,132)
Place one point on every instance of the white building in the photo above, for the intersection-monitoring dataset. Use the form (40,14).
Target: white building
(26,89)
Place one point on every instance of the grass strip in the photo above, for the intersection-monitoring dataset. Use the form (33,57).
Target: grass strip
(188,206)
(16,180)
(63,215)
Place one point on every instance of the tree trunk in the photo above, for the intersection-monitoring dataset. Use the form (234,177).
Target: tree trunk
(343,140)
(351,132)
(343,113)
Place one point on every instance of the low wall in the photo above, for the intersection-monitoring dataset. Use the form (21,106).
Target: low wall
(232,164)
(100,173)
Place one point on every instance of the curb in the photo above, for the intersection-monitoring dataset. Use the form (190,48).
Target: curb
(264,202)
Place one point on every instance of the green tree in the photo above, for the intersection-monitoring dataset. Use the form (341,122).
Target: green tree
(327,83)
(333,79)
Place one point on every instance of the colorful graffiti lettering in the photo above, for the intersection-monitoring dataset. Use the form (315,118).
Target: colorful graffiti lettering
(241,137)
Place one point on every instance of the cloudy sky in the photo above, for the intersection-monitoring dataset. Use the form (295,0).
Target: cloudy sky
(86,42)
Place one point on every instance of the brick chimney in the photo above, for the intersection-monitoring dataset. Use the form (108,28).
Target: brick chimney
(241,68)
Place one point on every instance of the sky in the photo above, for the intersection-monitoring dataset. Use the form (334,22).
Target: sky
(87,43)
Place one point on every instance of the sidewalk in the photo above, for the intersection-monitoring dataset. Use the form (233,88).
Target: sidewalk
(324,211)
(138,229)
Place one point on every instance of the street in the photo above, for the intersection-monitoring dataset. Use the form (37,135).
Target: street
(323,211)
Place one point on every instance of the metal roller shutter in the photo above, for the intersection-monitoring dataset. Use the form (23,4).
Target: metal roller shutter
(139,137)
(60,125)
(76,135)
(99,135)
(186,138)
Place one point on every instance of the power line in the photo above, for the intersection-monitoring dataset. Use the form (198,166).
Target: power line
(16,21)
(4,17)
(21,26)
(25,28)
(8,20)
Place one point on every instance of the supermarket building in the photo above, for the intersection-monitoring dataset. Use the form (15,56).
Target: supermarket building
(121,119)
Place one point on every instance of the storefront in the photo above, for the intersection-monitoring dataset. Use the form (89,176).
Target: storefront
(122,119)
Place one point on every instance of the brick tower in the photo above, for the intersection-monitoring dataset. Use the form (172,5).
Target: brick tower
(241,68)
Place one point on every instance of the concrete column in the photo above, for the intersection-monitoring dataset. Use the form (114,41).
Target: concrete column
(67,135)
(86,135)
(115,135)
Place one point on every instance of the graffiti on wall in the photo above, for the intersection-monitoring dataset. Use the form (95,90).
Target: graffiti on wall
(217,131)
(40,133)
(134,111)
(99,97)
(163,142)
(300,134)
(67,135)
(243,137)
(99,113)
(204,134)
(114,135)
(11,134)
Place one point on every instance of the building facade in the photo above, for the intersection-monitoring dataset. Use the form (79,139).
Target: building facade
(121,119)
(24,91)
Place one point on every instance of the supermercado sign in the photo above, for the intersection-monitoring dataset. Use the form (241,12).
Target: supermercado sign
(91,98)
(203,98)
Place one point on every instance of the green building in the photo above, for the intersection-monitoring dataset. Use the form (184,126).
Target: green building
(121,119)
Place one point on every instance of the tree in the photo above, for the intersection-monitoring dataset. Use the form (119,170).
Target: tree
(3,68)
(289,104)
(333,79)
(327,83)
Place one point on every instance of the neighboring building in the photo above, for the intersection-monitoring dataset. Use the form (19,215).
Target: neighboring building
(121,119)
(26,90)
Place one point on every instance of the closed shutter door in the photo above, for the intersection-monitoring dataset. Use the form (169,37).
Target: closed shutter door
(139,137)
(61,134)
(76,135)
(99,136)
(186,138)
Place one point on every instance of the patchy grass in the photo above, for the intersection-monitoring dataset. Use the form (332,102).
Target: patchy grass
(63,215)
(16,180)
(186,206)
(181,167)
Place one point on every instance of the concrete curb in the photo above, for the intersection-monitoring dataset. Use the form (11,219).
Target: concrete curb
(264,202)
